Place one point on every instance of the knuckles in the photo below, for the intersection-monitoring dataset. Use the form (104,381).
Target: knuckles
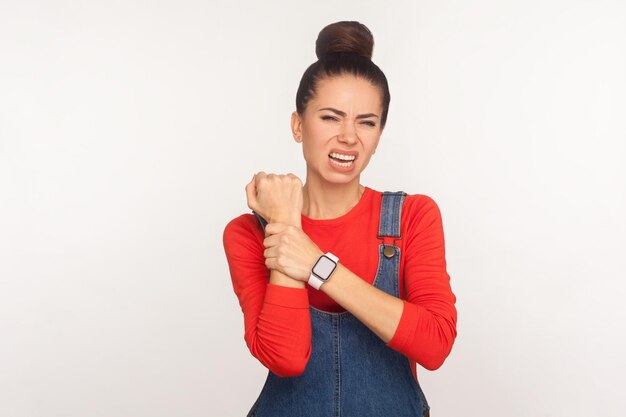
(289,179)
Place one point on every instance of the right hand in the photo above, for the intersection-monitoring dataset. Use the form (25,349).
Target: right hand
(276,197)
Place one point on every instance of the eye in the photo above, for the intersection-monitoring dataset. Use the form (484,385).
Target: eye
(369,123)
(328,118)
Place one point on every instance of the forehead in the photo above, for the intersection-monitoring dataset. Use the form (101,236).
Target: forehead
(348,93)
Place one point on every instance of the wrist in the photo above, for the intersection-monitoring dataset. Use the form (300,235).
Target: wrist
(323,269)
(290,220)
(278,278)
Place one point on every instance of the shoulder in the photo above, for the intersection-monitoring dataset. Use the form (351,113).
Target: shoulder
(420,204)
(420,213)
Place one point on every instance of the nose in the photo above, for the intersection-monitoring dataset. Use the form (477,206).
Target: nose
(348,134)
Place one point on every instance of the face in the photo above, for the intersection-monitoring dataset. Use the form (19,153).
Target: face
(340,128)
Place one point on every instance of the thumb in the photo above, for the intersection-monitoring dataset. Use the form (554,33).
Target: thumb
(251,193)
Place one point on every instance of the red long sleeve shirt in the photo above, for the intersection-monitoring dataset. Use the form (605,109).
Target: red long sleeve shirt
(276,318)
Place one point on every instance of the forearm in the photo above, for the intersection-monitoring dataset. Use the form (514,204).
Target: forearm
(422,334)
(280,336)
(379,311)
(284,326)
(276,317)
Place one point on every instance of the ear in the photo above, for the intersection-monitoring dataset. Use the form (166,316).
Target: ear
(296,126)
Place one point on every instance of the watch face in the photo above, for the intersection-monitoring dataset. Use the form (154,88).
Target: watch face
(324,267)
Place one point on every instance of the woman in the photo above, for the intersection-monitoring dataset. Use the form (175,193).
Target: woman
(343,288)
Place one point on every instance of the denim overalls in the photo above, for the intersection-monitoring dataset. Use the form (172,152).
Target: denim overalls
(351,372)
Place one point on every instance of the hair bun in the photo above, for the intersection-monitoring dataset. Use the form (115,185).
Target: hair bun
(345,37)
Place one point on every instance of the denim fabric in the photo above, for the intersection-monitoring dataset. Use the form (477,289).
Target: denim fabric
(351,371)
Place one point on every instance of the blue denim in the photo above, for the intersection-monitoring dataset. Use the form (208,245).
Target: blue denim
(351,371)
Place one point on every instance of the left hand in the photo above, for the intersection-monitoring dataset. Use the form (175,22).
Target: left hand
(290,251)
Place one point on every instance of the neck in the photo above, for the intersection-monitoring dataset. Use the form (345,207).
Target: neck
(324,200)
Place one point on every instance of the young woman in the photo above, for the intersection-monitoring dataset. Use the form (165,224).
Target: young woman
(343,288)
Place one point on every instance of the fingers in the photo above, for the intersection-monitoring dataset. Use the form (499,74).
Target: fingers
(271,240)
(271,255)
(251,189)
(259,175)
(274,239)
(295,177)
(275,252)
(271,263)
(274,258)
(275,228)
(281,189)
(262,175)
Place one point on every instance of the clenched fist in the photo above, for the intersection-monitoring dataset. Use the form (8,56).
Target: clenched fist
(276,197)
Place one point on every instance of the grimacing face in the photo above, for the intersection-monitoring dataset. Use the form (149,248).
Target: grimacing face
(343,118)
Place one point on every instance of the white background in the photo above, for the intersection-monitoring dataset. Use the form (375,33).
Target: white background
(129,129)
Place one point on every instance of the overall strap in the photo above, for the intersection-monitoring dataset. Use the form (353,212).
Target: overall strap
(390,214)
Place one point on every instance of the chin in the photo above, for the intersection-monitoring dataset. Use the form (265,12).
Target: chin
(335,177)
(338,178)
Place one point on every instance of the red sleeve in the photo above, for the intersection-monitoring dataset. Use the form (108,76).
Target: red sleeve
(427,328)
(276,318)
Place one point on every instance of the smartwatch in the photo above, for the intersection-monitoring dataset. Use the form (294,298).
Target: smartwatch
(322,270)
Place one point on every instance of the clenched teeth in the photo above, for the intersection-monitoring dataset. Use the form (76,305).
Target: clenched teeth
(343,157)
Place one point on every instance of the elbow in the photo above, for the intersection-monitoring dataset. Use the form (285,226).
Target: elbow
(283,363)
(434,363)
(290,367)
(436,357)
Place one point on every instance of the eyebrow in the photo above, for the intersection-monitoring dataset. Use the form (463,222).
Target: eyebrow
(343,114)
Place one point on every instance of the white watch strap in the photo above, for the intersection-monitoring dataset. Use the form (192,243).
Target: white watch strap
(331,256)
(314,281)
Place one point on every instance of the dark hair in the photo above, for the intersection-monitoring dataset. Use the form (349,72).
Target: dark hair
(343,48)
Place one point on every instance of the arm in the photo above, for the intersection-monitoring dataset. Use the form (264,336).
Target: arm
(428,327)
(423,325)
(276,316)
